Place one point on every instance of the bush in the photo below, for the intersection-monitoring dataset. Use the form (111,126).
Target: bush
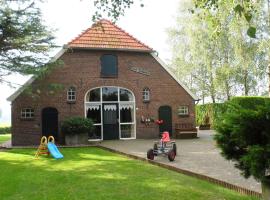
(209,113)
(5,130)
(77,125)
(243,135)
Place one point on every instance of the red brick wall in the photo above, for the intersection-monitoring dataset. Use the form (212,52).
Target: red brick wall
(82,70)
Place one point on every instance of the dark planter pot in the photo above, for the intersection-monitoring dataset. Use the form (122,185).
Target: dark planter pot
(76,139)
(204,127)
(265,190)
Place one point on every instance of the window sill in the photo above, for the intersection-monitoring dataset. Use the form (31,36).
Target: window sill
(108,76)
(183,115)
(27,119)
(71,102)
(146,101)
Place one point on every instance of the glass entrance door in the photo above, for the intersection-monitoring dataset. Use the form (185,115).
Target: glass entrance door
(110,121)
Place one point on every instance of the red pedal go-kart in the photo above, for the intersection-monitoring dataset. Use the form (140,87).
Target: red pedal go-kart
(163,147)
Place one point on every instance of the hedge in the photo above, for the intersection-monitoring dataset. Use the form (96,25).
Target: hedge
(209,113)
(212,112)
(5,130)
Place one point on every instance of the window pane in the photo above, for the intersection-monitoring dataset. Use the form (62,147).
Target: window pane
(126,113)
(126,95)
(109,65)
(127,131)
(94,113)
(93,95)
(109,94)
(96,133)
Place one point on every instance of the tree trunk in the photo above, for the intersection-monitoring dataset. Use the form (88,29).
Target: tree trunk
(269,79)
(266,190)
(212,84)
(245,82)
(227,88)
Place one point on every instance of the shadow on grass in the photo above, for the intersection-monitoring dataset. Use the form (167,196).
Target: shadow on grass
(91,173)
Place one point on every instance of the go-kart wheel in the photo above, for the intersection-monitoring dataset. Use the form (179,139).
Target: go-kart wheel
(155,149)
(175,148)
(150,154)
(171,155)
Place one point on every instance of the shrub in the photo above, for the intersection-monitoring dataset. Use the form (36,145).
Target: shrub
(77,125)
(5,130)
(209,113)
(243,135)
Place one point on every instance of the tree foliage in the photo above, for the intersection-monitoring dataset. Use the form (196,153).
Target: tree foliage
(24,39)
(245,9)
(213,55)
(244,135)
(112,9)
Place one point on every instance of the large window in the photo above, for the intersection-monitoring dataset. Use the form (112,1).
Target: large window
(109,66)
(121,99)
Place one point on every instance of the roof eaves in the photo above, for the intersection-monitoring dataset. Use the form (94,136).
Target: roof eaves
(112,49)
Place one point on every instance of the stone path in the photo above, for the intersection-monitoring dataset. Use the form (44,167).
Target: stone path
(196,155)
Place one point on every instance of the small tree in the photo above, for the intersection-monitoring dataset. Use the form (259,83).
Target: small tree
(244,137)
(24,39)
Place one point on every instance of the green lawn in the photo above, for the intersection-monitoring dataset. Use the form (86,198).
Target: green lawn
(92,173)
(4,138)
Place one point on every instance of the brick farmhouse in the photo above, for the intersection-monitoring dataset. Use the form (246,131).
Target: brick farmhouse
(109,76)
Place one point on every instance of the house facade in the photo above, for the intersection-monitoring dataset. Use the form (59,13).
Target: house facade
(109,76)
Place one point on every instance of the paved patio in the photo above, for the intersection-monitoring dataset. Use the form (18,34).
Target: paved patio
(197,155)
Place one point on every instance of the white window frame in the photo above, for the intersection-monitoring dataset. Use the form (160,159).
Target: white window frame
(183,110)
(119,103)
(146,94)
(71,94)
(27,113)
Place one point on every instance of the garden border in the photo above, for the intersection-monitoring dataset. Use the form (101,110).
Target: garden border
(224,184)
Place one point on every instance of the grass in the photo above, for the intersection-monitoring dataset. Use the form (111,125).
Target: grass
(92,173)
(4,125)
(4,138)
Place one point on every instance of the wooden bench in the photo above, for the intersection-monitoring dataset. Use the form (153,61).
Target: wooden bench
(185,131)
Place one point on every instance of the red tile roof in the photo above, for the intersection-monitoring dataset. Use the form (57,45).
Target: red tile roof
(106,35)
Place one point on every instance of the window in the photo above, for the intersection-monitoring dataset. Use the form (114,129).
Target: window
(93,95)
(71,94)
(183,110)
(126,95)
(109,66)
(111,105)
(110,94)
(146,94)
(27,113)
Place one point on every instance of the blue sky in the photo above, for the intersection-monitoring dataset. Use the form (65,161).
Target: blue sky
(70,18)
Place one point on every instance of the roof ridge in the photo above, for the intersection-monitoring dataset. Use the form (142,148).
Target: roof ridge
(109,29)
(131,36)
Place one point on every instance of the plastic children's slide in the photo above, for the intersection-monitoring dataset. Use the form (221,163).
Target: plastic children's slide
(54,151)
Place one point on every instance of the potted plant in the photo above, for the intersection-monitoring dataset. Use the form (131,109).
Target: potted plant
(76,130)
